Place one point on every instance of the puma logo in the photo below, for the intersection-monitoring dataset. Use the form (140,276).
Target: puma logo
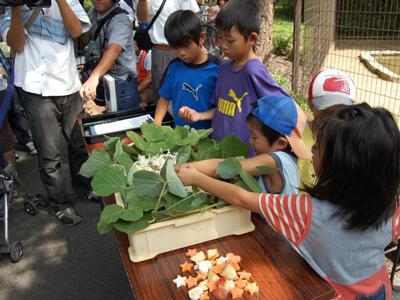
(238,100)
(194,92)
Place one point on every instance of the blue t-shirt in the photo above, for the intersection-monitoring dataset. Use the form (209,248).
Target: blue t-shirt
(287,166)
(191,86)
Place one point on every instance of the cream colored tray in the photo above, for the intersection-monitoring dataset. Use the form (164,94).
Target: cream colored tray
(186,231)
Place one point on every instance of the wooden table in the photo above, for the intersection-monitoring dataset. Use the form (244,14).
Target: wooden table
(277,269)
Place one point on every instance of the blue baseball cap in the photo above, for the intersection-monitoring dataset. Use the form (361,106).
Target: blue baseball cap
(283,115)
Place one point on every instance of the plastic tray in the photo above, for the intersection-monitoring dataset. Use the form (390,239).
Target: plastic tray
(186,231)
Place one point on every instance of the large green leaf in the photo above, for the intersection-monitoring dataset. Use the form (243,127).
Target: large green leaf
(146,183)
(152,133)
(109,145)
(174,184)
(192,138)
(104,227)
(181,132)
(131,150)
(131,227)
(171,200)
(250,181)
(171,139)
(203,133)
(109,180)
(111,213)
(232,146)
(96,161)
(143,203)
(122,157)
(184,154)
(228,168)
(206,149)
(154,148)
(137,140)
(132,214)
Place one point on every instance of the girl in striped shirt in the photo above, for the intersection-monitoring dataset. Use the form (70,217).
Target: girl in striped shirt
(351,213)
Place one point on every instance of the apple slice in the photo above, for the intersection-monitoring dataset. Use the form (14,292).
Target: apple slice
(199,256)
(229,272)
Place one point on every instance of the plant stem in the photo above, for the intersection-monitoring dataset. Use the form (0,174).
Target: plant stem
(159,197)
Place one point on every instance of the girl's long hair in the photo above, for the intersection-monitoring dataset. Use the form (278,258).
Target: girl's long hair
(359,165)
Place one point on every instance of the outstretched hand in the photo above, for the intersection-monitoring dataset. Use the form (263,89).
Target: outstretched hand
(189,114)
(187,174)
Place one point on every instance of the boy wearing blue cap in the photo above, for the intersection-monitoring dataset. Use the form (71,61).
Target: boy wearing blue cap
(275,126)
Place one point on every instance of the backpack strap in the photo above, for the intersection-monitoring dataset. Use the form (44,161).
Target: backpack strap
(116,11)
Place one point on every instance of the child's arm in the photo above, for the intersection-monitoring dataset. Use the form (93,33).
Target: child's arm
(209,166)
(190,115)
(161,110)
(228,192)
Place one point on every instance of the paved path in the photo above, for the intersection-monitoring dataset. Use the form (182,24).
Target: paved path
(60,262)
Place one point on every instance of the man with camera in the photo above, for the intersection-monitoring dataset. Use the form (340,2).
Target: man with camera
(110,51)
(45,70)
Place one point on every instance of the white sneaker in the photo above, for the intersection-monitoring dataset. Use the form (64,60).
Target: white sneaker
(31,148)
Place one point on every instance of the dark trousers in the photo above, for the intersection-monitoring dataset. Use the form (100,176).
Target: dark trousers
(48,118)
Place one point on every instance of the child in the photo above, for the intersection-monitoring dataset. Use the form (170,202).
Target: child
(342,227)
(275,135)
(243,79)
(329,87)
(190,79)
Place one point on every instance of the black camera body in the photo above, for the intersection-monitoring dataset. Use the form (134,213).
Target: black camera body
(29,3)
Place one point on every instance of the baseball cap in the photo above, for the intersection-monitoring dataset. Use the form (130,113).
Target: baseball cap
(330,87)
(282,114)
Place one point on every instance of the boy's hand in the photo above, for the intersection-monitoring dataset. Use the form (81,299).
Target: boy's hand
(187,174)
(189,114)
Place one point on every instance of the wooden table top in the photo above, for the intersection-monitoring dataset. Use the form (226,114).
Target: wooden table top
(277,269)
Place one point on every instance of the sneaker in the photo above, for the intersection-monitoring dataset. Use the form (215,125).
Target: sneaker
(68,216)
(93,197)
(30,148)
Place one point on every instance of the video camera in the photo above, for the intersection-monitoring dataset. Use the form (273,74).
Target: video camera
(29,3)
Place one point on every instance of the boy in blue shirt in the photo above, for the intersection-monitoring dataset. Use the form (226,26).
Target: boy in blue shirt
(190,78)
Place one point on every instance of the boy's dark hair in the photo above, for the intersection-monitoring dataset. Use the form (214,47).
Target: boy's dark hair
(182,27)
(244,15)
(270,134)
(359,168)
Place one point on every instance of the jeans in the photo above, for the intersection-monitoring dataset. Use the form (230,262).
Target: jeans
(48,117)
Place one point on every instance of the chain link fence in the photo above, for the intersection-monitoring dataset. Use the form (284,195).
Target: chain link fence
(359,37)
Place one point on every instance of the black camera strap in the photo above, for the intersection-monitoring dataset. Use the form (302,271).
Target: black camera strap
(156,15)
(116,11)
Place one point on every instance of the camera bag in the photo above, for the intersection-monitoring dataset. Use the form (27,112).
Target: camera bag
(142,36)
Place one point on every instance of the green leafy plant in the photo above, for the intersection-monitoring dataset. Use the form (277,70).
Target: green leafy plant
(157,194)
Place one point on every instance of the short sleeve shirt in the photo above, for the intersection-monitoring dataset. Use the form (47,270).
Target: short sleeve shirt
(192,86)
(47,65)
(157,30)
(118,31)
(236,92)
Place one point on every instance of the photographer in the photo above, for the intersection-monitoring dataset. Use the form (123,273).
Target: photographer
(113,48)
(45,70)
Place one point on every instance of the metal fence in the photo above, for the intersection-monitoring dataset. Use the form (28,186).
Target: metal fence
(360,37)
